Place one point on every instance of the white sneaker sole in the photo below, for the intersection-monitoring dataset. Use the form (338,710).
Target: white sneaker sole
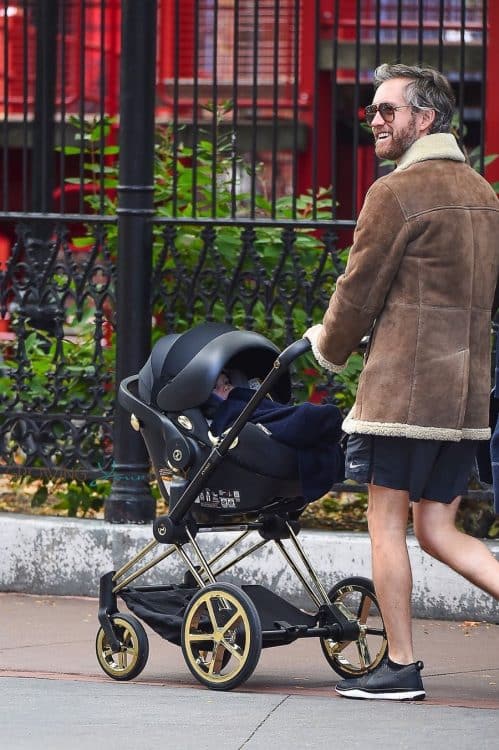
(405,695)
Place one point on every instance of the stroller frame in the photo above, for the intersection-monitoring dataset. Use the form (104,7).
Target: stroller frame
(225,626)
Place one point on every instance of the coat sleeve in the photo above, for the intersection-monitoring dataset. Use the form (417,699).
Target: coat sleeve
(380,239)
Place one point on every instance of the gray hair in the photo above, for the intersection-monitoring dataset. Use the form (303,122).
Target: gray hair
(427,89)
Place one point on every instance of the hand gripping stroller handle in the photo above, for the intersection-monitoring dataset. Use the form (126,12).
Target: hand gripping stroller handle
(282,362)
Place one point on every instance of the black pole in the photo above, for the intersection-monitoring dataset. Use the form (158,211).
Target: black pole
(45,16)
(46,13)
(130,500)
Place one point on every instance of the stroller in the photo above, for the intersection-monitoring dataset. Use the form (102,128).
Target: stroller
(242,481)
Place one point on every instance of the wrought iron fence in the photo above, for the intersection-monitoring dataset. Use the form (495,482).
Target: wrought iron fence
(239,210)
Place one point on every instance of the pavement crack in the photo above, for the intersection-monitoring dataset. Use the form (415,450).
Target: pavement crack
(462,671)
(269,714)
(41,645)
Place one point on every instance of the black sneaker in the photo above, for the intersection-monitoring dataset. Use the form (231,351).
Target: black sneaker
(386,683)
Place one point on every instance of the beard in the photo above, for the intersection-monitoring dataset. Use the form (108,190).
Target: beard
(396,146)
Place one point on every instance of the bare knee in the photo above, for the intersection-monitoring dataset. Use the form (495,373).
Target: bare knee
(434,526)
(430,540)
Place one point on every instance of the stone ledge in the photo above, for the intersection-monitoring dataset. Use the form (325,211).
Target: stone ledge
(59,556)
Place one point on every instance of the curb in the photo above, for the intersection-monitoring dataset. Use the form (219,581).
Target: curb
(66,557)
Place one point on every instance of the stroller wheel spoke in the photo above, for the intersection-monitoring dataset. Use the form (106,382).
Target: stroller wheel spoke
(128,640)
(131,652)
(376,631)
(217,660)
(364,655)
(230,624)
(200,637)
(211,614)
(233,649)
(364,608)
(337,647)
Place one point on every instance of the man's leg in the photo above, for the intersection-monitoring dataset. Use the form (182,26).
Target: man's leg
(387,518)
(397,678)
(435,529)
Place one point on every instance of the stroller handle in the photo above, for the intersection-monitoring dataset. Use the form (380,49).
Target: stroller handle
(293,351)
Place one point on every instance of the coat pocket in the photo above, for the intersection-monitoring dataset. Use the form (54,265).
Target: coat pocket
(465,378)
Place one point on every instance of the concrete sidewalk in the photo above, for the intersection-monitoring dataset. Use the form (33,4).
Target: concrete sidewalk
(55,636)
(53,693)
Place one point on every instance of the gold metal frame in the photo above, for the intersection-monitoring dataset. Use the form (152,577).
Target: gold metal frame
(203,572)
(350,657)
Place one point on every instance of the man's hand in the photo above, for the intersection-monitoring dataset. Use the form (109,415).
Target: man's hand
(313,333)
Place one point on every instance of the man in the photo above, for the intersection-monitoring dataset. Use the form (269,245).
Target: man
(420,278)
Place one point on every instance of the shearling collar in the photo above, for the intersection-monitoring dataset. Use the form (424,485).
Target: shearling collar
(434,146)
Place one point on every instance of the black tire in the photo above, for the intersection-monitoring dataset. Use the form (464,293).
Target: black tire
(357,599)
(131,659)
(221,636)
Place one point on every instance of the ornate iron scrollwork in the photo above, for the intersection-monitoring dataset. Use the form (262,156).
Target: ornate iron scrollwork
(56,375)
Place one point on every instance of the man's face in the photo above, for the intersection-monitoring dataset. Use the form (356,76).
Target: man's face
(392,139)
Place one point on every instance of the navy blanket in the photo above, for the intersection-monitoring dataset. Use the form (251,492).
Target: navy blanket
(313,431)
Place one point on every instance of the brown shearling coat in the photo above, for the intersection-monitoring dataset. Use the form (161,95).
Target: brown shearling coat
(421,274)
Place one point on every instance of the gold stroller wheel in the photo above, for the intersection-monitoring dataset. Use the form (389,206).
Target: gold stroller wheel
(356,598)
(131,658)
(221,636)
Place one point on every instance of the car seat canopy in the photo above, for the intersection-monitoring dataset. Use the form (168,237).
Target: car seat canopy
(182,369)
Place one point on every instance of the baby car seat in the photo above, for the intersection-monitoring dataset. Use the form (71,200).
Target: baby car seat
(167,399)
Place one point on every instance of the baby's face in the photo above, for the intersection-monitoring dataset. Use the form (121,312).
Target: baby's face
(223,385)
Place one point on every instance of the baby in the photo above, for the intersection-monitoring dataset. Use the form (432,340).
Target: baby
(223,386)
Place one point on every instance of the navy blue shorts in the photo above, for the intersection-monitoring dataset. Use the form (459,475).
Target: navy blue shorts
(429,469)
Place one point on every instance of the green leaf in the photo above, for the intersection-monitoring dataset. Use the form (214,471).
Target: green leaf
(99,168)
(111,150)
(69,150)
(99,131)
(40,497)
(85,242)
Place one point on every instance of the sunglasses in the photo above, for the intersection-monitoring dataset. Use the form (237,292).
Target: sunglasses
(387,111)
